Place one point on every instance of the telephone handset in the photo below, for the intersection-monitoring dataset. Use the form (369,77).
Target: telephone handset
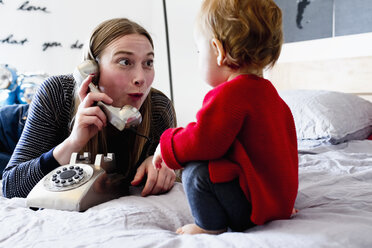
(121,118)
(78,185)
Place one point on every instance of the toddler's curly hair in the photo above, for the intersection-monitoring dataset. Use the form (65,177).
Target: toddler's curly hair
(249,30)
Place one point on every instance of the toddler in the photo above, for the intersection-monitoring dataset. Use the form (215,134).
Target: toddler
(240,156)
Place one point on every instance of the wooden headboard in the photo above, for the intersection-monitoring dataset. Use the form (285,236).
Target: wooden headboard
(351,75)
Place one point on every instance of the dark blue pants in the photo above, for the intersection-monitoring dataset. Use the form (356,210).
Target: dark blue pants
(215,206)
(12,121)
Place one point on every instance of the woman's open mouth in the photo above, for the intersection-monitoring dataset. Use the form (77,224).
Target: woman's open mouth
(136,96)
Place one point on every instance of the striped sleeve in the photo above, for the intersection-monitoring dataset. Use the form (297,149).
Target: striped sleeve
(163,117)
(45,128)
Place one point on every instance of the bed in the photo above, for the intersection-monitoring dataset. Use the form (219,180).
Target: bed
(334,198)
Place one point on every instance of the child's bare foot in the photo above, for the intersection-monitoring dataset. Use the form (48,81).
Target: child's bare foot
(294,211)
(194,229)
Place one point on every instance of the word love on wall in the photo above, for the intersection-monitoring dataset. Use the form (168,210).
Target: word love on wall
(13,39)
(26,6)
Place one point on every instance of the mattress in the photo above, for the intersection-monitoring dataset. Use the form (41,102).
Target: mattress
(334,202)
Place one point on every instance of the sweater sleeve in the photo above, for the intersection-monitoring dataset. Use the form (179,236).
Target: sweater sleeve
(218,122)
(45,128)
(163,117)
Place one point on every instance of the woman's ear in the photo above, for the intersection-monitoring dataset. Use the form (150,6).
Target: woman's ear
(220,51)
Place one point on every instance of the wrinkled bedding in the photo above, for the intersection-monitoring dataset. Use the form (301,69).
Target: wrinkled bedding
(334,199)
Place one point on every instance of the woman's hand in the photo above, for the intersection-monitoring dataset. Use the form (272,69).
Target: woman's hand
(89,119)
(158,180)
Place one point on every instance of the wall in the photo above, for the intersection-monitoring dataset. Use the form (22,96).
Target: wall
(316,19)
(47,35)
(188,87)
(347,39)
(310,60)
(69,21)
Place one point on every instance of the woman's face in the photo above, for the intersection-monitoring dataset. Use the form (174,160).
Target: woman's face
(126,70)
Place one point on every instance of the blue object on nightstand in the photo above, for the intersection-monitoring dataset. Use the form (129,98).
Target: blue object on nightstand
(8,85)
(27,86)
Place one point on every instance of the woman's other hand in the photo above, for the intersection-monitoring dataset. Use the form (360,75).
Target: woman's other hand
(158,180)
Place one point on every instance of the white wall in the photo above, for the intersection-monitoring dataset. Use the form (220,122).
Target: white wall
(66,22)
(71,20)
(188,87)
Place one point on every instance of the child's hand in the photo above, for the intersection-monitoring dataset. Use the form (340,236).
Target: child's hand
(157,159)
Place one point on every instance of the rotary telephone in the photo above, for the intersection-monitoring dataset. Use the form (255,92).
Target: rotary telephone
(78,185)
(121,118)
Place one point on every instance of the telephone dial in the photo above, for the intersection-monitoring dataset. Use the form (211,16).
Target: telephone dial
(121,118)
(76,186)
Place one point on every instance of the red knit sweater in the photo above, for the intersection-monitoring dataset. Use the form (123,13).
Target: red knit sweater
(245,130)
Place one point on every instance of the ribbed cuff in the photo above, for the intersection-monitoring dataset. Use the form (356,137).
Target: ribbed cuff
(167,152)
(48,162)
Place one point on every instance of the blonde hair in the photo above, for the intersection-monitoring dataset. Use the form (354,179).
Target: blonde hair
(101,37)
(249,30)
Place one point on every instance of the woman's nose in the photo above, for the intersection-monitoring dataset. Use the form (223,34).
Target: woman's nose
(139,77)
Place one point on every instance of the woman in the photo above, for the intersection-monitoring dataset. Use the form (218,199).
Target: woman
(64,118)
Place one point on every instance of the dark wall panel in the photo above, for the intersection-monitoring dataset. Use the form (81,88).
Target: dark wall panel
(353,17)
(306,19)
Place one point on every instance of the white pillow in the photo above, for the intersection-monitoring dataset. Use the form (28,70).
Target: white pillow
(328,117)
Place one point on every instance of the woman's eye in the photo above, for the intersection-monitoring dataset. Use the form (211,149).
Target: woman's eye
(124,62)
(149,63)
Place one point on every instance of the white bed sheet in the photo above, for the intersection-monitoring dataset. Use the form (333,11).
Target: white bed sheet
(334,199)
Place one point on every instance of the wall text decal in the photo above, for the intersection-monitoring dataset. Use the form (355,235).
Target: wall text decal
(47,45)
(12,41)
(77,45)
(26,6)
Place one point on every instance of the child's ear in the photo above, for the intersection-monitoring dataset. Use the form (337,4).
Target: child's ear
(217,45)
